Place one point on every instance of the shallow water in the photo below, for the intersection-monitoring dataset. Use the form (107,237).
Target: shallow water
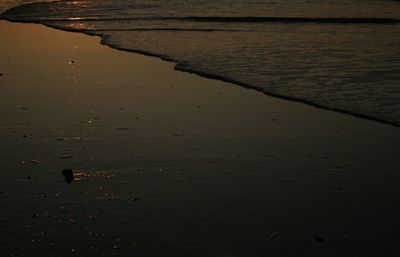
(342,55)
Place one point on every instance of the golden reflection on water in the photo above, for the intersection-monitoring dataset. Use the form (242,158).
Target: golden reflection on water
(74,2)
(80,3)
(78,25)
(74,18)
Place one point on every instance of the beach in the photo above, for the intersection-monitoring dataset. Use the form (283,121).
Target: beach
(168,163)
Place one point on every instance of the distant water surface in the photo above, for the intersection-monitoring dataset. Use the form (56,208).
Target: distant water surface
(342,55)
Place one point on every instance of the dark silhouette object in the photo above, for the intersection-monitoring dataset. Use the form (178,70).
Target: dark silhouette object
(319,239)
(68,175)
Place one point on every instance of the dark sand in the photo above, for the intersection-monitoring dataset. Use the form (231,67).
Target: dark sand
(172,164)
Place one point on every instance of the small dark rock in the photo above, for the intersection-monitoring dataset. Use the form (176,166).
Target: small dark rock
(68,175)
(319,239)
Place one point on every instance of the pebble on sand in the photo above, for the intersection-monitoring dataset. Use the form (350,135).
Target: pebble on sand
(68,175)
(319,239)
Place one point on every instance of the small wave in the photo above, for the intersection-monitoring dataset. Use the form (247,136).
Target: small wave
(26,13)
(174,29)
(184,68)
(288,20)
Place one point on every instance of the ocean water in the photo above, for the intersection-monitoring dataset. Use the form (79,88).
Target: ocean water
(342,55)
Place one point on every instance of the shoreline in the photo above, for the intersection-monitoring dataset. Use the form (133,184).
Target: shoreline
(172,164)
(213,76)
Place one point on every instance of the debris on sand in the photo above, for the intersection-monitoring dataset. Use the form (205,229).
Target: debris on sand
(273,236)
(122,128)
(68,175)
(34,161)
(65,157)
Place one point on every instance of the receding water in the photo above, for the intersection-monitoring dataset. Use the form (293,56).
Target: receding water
(342,55)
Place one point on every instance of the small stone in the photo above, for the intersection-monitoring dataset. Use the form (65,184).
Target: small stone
(68,175)
(319,239)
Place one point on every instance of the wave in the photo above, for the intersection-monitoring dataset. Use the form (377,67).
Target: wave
(181,67)
(173,29)
(250,19)
(14,14)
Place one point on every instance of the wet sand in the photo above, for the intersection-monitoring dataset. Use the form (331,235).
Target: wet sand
(171,164)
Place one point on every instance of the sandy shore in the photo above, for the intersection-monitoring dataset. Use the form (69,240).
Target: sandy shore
(172,164)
